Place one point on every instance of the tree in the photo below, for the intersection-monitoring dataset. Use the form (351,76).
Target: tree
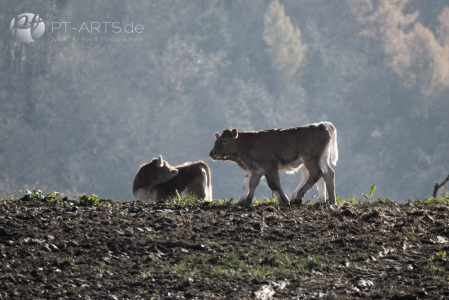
(212,29)
(284,46)
(430,68)
(443,30)
(411,51)
(315,78)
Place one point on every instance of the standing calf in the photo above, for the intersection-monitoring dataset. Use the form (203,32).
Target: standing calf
(158,180)
(264,153)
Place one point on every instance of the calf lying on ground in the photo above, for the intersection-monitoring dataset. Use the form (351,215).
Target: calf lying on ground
(158,180)
(264,153)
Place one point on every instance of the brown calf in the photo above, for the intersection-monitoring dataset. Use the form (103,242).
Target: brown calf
(264,153)
(158,180)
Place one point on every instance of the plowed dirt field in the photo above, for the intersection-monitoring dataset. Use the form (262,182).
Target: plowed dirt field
(134,250)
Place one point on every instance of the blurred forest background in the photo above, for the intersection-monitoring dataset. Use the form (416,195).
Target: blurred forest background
(81,115)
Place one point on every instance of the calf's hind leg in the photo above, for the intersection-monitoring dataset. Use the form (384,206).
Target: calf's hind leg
(304,177)
(321,185)
(329,178)
(315,173)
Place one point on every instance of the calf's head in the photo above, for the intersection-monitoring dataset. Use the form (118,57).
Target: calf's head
(225,145)
(161,170)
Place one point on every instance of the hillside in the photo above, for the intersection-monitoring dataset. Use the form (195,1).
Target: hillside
(82,109)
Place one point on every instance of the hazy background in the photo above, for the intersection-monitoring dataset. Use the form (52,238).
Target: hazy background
(81,110)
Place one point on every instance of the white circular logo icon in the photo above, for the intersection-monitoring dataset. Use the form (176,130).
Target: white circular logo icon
(27,28)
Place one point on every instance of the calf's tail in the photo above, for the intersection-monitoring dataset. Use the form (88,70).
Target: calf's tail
(334,144)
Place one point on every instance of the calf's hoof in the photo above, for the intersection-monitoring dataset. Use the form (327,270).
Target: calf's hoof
(284,204)
(244,203)
(333,203)
(296,202)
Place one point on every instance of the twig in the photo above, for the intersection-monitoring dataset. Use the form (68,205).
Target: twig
(438,185)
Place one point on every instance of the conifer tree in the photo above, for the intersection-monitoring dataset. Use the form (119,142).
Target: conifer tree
(213,32)
(284,45)
(412,51)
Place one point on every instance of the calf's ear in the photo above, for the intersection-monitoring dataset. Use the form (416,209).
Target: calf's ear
(160,161)
(217,135)
(235,133)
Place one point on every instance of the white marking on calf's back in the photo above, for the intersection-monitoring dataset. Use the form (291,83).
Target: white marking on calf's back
(326,124)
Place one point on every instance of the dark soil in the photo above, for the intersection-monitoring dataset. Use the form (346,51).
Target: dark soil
(134,250)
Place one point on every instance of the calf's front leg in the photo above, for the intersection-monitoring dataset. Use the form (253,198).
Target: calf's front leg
(250,183)
(275,185)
